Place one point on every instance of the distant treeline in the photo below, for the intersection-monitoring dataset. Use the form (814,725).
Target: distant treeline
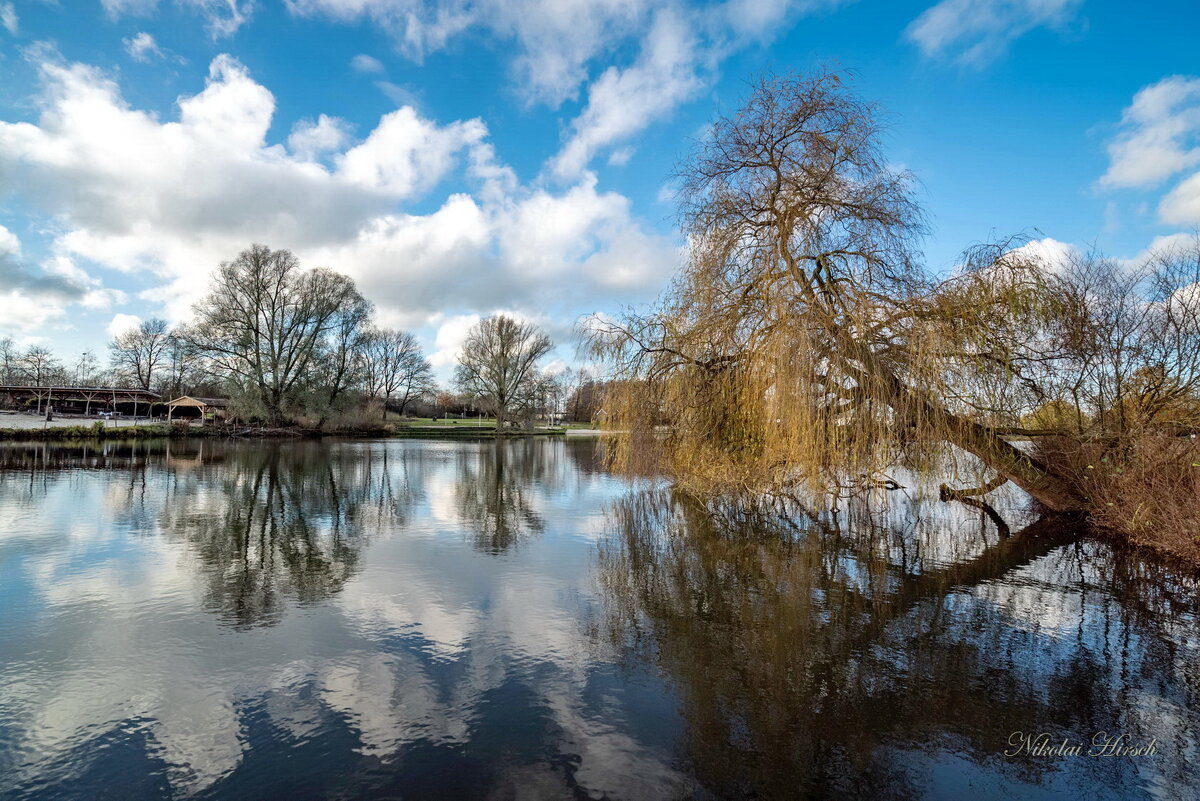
(294,346)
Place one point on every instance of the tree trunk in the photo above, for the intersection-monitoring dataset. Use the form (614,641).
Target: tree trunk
(1051,490)
(913,406)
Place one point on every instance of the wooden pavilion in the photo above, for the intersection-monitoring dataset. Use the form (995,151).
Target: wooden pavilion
(204,406)
(79,399)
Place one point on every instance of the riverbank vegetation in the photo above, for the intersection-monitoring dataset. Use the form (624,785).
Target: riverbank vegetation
(289,346)
(804,347)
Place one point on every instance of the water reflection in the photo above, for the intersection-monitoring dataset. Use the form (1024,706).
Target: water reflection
(825,661)
(495,488)
(268,524)
(500,620)
(288,522)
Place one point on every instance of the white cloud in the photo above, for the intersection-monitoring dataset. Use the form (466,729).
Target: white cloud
(555,38)
(680,53)
(121,323)
(142,47)
(133,192)
(557,42)
(1050,254)
(136,8)
(1181,206)
(974,32)
(623,102)
(10,245)
(222,17)
(406,154)
(1163,244)
(367,64)
(1159,137)
(31,298)
(8,18)
(451,336)
(400,95)
(418,27)
(310,139)
(232,110)
(558,38)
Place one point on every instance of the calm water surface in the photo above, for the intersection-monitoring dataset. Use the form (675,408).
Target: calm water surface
(427,619)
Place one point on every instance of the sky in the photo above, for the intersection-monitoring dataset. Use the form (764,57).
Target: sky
(468,157)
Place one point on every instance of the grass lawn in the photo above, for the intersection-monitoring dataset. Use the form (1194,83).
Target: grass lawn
(487,422)
(468,422)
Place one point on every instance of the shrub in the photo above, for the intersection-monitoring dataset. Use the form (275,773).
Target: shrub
(1145,488)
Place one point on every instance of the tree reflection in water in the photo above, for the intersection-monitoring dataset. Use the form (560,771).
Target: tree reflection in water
(281,521)
(497,487)
(829,660)
(269,525)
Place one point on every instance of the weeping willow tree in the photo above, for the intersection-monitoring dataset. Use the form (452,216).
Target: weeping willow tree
(803,344)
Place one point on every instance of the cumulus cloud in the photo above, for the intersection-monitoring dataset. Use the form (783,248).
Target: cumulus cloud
(142,47)
(406,154)
(310,139)
(30,298)
(1159,135)
(1181,206)
(134,192)
(1159,138)
(557,42)
(451,336)
(1050,254)
(121,323)
(974,32)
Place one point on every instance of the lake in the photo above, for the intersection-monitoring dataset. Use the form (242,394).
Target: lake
(507,620)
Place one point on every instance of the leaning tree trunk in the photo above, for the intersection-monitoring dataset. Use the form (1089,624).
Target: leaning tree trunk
(915,407)
(1051,489)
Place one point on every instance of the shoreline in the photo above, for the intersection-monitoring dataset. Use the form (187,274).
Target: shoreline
(100,430)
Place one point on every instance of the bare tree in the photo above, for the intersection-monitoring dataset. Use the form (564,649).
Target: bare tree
(584,397)
(394,366)
(184,366)
(264,320)
(139,352)
(9,361)
(341,359)
(498,362)
(86,371)
(39,367)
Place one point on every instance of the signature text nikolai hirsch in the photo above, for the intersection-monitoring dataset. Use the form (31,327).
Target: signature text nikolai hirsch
(1102,744)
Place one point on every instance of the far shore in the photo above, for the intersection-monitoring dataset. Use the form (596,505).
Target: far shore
(29,427)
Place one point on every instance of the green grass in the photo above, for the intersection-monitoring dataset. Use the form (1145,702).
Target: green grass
(416,422)
(99,431)
(488,422)
(467,427)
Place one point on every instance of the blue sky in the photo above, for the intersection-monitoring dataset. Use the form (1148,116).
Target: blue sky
(462,158)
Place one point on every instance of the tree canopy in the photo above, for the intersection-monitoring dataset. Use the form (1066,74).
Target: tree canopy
(804,343)
(498,364)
